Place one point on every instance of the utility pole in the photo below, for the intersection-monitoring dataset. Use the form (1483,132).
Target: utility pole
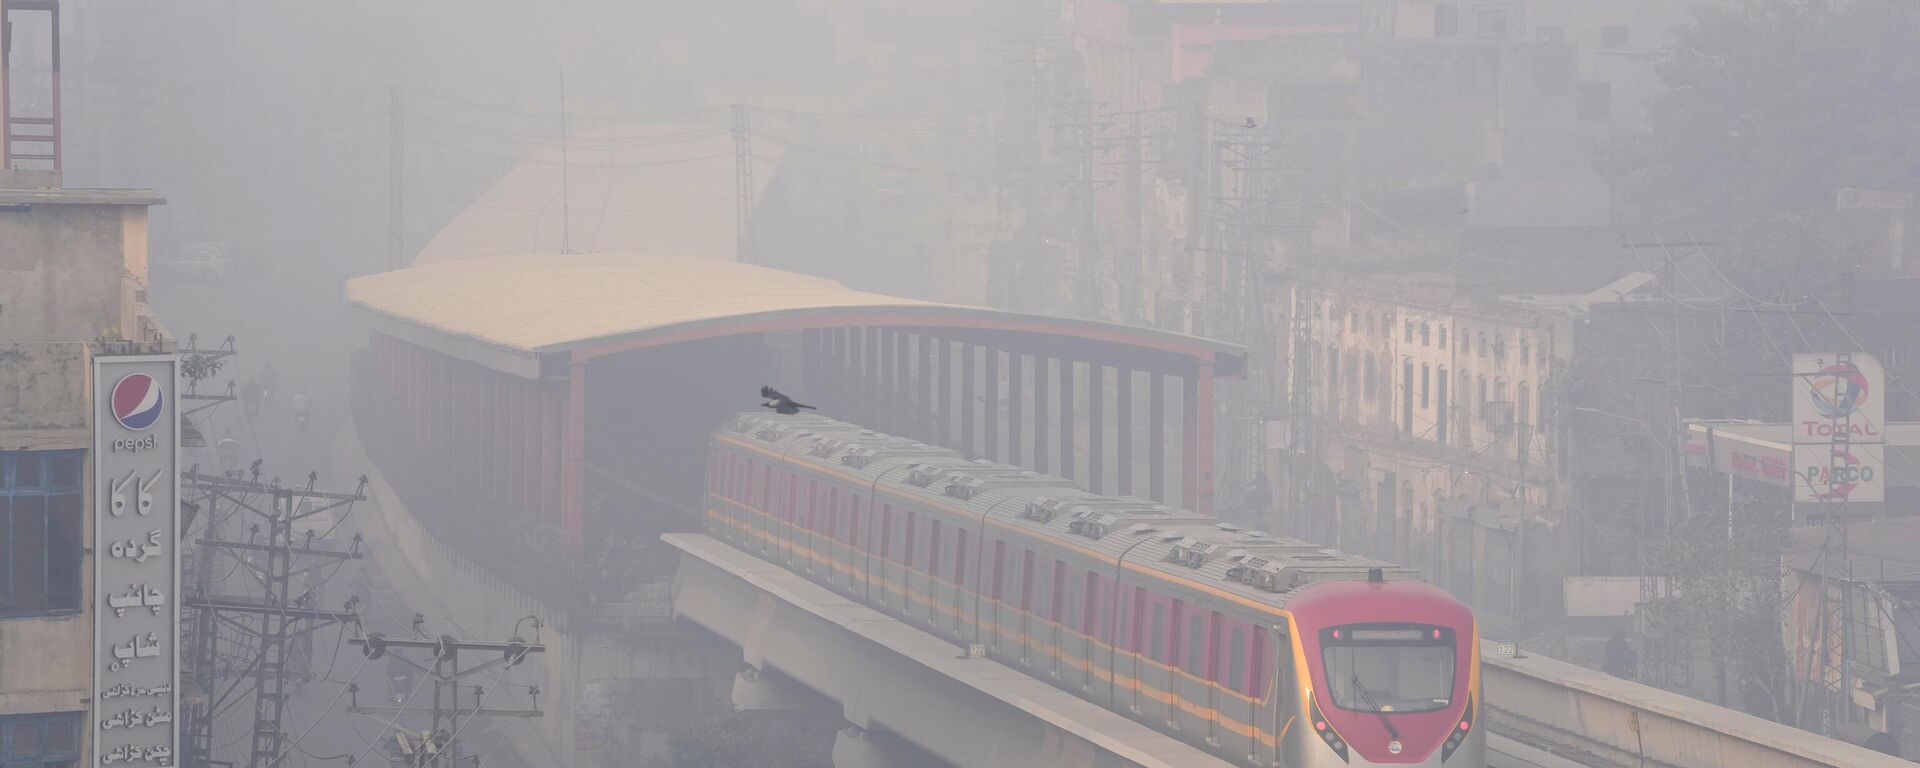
(566,199)
(439,746)
(742,179)
(396,178)
(275,618)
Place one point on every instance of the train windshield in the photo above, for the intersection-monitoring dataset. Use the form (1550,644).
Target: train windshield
(1389,669)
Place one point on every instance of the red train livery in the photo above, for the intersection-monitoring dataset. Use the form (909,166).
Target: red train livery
(1263,650)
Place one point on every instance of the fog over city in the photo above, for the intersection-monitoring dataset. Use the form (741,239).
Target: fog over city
(823,383)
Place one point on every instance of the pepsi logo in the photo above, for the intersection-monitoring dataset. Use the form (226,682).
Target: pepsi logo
(137,402)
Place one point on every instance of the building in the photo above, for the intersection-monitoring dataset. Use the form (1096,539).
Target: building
(1444,433)
(73,267)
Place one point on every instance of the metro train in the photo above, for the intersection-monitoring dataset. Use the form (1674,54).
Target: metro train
(1260,649)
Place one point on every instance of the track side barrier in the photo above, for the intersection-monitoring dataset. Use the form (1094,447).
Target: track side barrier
(1543,700)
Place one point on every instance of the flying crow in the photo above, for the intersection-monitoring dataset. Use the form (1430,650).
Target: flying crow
(781,404)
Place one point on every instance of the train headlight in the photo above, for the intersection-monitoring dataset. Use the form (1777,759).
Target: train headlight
(1461,732)
(1325,731)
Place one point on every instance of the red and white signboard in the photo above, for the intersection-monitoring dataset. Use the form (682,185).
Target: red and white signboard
(1839,428)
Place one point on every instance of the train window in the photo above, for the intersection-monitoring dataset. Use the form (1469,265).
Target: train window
(907,550)
(1236,660)
(1059,585)
(792,507)
(766,485)
(1026,580)
(813,505)
(1091,614)
(1072,604)
(1157,632)
(833,512)
(886,531)
(960,557)
(933,550)
(713,470)
(1214,660)
(999,566)
(1389,669)
(1139,608)
(1196,644)
(853,520)
(1256,667)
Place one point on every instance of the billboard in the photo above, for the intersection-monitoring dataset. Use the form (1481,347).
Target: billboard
(1835,472)
(1830,389)
(136,561)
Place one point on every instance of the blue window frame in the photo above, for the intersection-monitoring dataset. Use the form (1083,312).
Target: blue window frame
(40,741)
(41,516)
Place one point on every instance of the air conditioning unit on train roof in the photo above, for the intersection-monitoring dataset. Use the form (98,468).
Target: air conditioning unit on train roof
(825,446)
(965,482)
(922,475)
(1043,510)
(1193,553)
(742,423)
(865,452)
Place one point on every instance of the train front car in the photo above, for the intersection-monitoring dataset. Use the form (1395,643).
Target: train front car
(1392,676)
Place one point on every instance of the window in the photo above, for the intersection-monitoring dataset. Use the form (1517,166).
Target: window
(1196,645)
(1389,674)
(886,531)
(1426,335)
(1615,36)
(1426,381)
(40,520)
(1366,385)
(999,565)
(40,741)
(1157,633)
(908,549)
(1408,336)
(1446,20)
(960,557)
(1483,399)
(1026,580)
(853,521)
(1236,653)
(833,513)
(1091,615)
(1333,373)
(1059,586)
(1491,23)
(1443,337)
(1440,415)
(933,550)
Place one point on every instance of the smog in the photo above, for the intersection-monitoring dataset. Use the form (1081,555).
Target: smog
(808,383)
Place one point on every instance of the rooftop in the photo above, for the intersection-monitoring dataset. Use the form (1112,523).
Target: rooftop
(506,311)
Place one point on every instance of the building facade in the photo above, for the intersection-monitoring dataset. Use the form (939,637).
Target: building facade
(73,266)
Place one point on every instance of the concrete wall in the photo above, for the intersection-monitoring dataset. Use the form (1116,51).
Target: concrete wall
(61,268)
(45,662)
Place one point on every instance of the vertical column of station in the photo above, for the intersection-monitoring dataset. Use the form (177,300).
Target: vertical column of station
(1123,430)
(969,442)
(1096,425)
(990,419)
(1042,412)
(1156,436)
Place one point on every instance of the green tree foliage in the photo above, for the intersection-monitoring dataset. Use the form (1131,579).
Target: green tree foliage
(1771,107)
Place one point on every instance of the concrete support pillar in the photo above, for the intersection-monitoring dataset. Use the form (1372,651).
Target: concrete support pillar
(573,462)
(902,365)
(1156,436)
(856,747)
(1096,426)
(967,436)
(933,365)
(1068,411)
(990,420)
(872,412)
(1042,394)
(1016,402)
(1123,430)
(753,691)
(1196,439)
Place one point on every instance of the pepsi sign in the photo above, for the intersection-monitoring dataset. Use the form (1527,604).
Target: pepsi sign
(135,603)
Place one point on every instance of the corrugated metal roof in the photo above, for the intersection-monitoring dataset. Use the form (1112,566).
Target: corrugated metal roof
(539,302)
(515,307)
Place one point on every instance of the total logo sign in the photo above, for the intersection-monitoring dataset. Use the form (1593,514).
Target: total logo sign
(137,402)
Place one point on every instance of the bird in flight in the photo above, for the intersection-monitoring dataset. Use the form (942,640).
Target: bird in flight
(781,404)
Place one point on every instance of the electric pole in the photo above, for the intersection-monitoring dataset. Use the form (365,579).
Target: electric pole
(439,746)
(271,620)
(742,179)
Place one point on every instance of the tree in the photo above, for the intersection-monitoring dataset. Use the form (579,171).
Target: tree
(1772,106)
